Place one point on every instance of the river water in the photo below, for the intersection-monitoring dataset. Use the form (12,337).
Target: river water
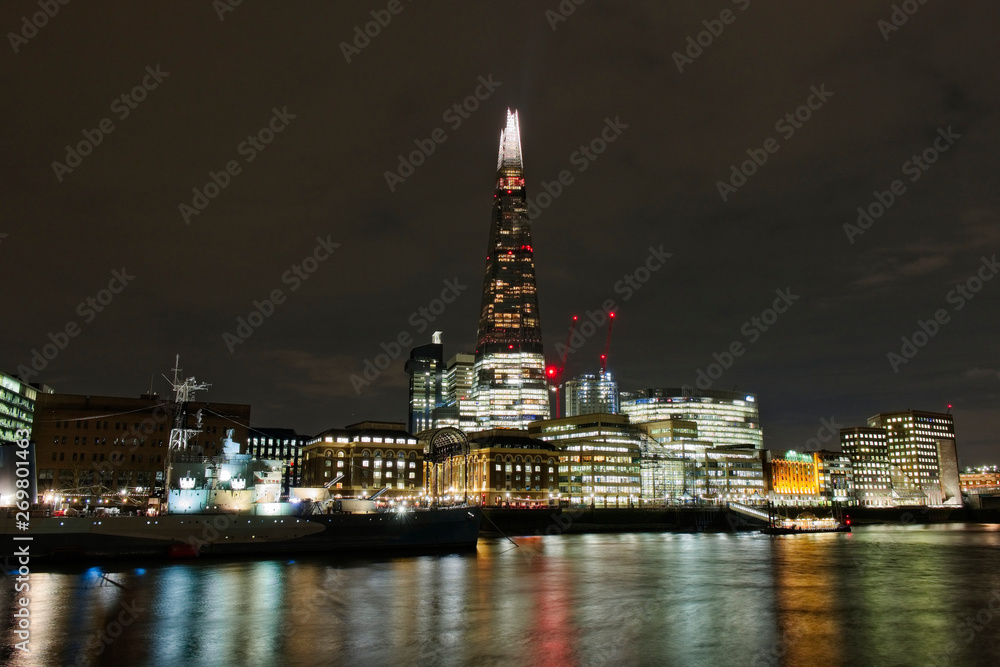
(883,595)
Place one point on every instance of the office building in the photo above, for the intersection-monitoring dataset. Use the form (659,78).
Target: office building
(922,455)
(723,417)
(458,410)
(426,370)
(869,454)
(500,467)
(279,444)
(589,394)
(509,385)
(364,458)
(600,458)
(809,478)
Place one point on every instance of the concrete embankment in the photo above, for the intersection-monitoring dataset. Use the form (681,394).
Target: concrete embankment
(557,521)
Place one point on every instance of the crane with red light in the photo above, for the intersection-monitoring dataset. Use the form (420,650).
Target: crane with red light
(607,344)
(554,373)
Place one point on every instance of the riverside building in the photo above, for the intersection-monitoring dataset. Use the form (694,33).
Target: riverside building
(500,467)
(600,458)
(723,417)
(922,455)
(96,448)
(360,459)
(869,454)
(279,444)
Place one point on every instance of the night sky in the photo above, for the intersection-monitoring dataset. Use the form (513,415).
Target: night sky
(879,96)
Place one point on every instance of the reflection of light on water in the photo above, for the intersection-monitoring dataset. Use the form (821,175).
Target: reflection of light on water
(607,599)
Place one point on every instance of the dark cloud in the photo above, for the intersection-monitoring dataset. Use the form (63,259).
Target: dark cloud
(324,175)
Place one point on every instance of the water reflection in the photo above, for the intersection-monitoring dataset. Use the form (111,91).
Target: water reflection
(884,596)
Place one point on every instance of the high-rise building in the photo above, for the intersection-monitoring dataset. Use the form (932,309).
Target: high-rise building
(869,454)
(723,417)
(426,369)
(509,386)
(922,451)
(588,393)
(458,409)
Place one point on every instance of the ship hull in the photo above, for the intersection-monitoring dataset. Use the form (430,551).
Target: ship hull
(189,535)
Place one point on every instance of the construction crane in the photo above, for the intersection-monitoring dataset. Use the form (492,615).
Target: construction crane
(555,373)
(607,344)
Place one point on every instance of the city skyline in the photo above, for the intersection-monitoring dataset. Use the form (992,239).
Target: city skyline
(365,245)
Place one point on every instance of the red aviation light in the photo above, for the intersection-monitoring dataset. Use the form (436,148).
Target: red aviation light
(551,371)
(611,315)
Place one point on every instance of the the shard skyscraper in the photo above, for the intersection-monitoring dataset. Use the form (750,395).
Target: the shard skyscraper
(509,388)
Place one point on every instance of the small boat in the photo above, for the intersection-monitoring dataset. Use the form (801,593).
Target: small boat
(806,522)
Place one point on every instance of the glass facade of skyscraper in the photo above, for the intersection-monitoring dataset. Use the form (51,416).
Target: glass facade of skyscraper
(590,393)
(509,386)
(723,417)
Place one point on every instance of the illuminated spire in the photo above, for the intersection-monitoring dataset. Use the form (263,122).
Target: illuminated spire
(509,386)
(510,144)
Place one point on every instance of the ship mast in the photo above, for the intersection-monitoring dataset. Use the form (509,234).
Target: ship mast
(180,434)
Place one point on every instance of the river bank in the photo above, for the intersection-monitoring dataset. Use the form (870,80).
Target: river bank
(709,518)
